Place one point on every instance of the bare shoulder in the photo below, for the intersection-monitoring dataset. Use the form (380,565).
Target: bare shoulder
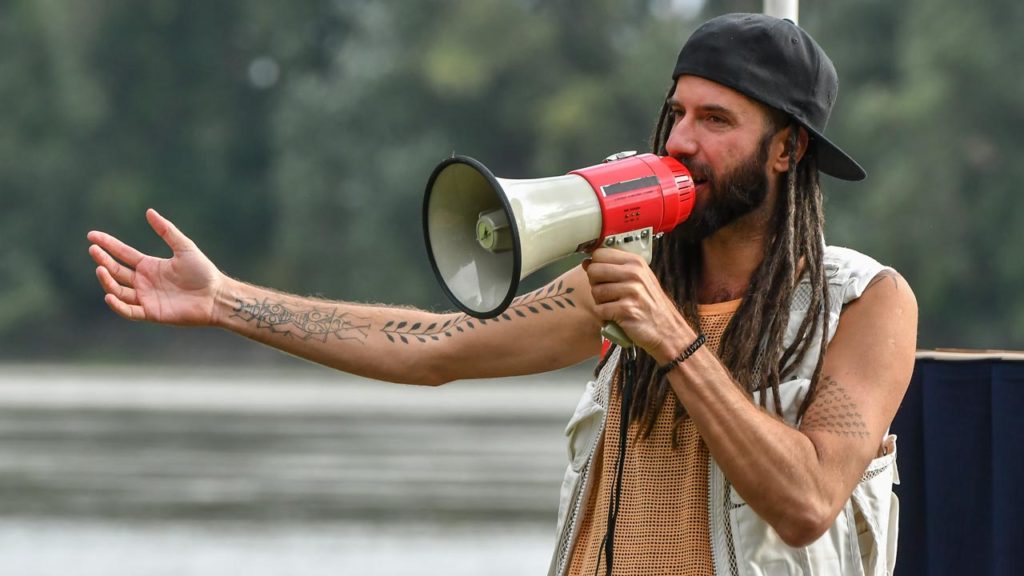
(894,280)
(878,331)
(887,301)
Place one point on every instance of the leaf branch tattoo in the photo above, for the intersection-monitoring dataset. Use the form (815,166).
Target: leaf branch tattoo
(310,324)
(834,412)
(549,299)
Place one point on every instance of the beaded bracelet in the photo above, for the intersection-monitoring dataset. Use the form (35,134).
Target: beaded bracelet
(662,370)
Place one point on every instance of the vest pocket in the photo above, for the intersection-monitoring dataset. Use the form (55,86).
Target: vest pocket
(877,512)
(583,428)
(761,552)
(758,548)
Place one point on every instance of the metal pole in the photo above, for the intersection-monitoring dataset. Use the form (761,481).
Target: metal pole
(782,9)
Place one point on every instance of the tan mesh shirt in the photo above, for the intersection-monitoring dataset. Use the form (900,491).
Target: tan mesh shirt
(663,518)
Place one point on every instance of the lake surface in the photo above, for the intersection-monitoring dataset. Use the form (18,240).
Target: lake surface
(260,471)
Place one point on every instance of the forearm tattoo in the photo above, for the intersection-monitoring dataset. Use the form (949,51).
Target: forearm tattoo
(833,411)
(555,296)
(315,323)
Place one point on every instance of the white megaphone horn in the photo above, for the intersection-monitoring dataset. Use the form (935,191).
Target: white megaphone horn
(484,234)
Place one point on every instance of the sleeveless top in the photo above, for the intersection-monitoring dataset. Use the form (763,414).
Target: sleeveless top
(662,524)
(862,540)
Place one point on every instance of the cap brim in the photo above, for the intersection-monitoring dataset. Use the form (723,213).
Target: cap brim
(833,161)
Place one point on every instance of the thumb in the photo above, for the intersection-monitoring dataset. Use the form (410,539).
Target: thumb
(168,232)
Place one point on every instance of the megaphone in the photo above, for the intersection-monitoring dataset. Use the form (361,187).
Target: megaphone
(484,234)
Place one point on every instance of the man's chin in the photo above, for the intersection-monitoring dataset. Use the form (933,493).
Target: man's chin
(694,230)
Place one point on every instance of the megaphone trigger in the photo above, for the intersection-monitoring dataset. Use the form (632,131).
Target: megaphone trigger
(639,242)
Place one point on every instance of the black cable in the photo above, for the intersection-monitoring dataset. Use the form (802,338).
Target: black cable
(628,384)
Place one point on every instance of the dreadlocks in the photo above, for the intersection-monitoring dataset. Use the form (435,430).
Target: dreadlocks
(752,344)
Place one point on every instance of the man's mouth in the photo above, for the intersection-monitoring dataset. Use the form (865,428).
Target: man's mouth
(697,172)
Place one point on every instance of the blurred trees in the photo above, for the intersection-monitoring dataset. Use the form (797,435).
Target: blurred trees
(932,105)
(293,140)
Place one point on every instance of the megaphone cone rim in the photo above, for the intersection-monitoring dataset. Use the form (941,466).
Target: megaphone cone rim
(517,256)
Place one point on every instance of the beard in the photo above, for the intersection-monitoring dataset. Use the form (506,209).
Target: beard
(728,197)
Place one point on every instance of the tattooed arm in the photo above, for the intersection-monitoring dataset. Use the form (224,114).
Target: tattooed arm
(544,330)
(550,328)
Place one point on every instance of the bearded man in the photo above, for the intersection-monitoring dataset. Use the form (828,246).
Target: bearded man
(769,366)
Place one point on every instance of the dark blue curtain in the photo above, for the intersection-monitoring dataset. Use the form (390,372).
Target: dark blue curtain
(961,465)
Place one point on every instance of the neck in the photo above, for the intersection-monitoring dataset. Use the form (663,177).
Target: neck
(730,258)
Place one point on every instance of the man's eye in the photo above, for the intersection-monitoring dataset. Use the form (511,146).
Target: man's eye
(716,119)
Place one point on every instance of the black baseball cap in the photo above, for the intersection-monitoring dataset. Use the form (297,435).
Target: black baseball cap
(776,62)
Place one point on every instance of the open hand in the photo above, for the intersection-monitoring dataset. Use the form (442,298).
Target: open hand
(179,290)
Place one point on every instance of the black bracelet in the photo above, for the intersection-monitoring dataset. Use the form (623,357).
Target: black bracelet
(662,370)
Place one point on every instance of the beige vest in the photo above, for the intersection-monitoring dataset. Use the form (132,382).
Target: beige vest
(862,540)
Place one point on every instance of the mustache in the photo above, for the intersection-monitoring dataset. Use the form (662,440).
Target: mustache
(699,171)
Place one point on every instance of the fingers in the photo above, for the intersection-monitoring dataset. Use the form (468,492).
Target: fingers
(616,276)
(124,310)
(124,301)
(607,265)
(613,292)
(117,262)
(168,232)
(115,248)
(122,274)
(616,282)
(115,288)
(615,256)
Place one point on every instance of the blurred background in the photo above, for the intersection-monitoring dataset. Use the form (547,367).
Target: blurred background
(292,141)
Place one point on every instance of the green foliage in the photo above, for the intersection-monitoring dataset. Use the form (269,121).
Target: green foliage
(937,126)
(516,85)
(293,140)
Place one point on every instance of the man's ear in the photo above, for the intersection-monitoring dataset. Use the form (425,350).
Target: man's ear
(781,147)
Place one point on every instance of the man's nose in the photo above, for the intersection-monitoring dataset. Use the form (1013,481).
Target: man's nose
(681,141)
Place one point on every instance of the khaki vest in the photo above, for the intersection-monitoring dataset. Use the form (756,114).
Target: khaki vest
(861,542)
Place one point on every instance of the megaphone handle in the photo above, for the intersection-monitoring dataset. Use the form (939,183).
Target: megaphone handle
(613,332)
(637,242)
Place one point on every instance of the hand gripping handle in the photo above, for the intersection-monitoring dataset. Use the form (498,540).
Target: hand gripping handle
(638,242)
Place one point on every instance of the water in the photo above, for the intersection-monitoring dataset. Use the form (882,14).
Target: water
(200,472)
(30,547)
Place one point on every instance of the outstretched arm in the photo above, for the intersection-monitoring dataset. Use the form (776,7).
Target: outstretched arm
(550,328)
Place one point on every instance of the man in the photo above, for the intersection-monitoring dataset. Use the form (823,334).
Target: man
(752,444)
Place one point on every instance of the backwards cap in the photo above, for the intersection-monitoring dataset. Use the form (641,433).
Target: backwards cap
(775,62)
